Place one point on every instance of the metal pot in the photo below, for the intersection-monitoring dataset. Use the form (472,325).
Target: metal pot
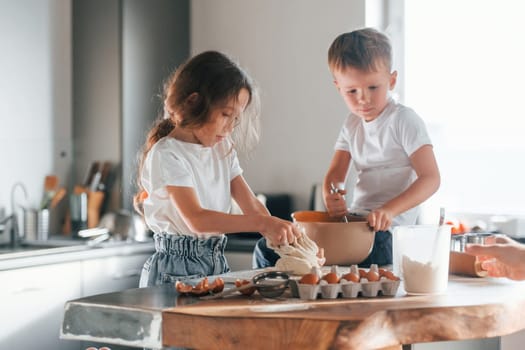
(129,226)
(122,225)
(459,241)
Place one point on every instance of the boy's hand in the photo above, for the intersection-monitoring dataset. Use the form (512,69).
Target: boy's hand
(380,219)
(336,203)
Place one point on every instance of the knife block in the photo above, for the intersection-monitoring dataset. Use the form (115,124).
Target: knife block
(94,205)
(92,209)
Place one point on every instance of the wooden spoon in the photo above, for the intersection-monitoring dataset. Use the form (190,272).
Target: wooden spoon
(50,188)
(59,195)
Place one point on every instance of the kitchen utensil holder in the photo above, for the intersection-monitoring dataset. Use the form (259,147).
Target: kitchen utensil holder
(36,224)
(78,203)
(43,224)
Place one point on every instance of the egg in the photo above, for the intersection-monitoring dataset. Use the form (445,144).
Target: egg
(217,285)
(352,277)
(372,276)
(309,278)
(362,273)
(390,275)
(183,287)
(331,278)
(247,291)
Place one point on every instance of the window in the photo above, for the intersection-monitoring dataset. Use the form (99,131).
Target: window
(464,74)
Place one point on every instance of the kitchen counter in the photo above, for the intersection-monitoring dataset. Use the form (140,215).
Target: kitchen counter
(63,249)
(41,276)
(60,250)
(150,317)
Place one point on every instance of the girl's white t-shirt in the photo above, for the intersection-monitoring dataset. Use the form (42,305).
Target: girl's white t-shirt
(380,150)
(208,170)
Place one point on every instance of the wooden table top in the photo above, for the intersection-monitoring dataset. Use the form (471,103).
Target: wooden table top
(471,308)
(158,316)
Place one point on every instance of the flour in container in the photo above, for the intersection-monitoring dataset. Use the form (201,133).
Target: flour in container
(423,278)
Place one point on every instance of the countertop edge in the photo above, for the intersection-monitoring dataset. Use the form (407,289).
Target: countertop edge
(85,252)
(76,253)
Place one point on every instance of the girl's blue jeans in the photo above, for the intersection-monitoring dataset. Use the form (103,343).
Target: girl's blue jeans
(381,253)
(179,258)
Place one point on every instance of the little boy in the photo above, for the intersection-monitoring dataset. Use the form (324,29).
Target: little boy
(387,142)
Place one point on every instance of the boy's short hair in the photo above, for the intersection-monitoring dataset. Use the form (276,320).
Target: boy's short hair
(363,49)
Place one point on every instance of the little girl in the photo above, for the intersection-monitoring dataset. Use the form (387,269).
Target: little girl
(189,172)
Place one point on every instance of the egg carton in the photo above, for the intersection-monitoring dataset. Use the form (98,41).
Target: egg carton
(344,289)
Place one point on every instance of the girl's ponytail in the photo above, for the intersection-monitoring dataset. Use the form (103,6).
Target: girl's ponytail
(162,128)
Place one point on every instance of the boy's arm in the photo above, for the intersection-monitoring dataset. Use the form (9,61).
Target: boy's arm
(427,183)
(337,173)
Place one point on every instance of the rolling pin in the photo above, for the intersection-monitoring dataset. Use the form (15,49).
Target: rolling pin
(465,264)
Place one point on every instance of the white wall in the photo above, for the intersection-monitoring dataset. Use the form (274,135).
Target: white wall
(35,94)
(283,45)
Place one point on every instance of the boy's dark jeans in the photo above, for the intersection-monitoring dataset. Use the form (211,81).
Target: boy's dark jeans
(381,253)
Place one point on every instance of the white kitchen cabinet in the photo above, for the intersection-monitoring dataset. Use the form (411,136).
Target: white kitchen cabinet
(471,344)
(513,341)
(239,260)
(32,296)
(32,303)
(111,274)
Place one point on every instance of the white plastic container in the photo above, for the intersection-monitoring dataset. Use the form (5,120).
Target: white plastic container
(421,257)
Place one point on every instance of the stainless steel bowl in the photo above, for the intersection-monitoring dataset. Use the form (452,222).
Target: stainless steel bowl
(458,242)
(271,284)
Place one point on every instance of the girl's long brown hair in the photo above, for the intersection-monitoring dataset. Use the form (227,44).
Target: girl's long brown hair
(190,93)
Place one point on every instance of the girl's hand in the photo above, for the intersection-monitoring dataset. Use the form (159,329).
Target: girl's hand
(380,219)
(280,232)
(336,203)
(508,258)
(320,257)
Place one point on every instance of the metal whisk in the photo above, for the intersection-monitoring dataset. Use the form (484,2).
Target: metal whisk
(333,190)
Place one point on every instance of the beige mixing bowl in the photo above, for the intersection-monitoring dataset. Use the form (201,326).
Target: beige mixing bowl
(344,243)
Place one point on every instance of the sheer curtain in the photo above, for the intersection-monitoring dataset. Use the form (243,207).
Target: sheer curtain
(464,74)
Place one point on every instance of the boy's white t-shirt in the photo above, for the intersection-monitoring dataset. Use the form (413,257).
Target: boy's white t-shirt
(380,150)
(208,170)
